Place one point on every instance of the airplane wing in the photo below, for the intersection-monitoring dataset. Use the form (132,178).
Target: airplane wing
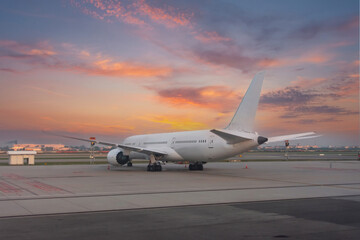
(297,136)
(123,146)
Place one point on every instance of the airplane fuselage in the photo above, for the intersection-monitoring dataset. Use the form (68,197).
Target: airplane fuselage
(192,146)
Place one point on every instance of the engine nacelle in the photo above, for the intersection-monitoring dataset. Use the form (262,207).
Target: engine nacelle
(117,157)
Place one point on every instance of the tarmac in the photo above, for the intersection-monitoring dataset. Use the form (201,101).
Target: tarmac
(253,200)
(83,157)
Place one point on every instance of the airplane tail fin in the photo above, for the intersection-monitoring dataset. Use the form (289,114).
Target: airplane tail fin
(244,117)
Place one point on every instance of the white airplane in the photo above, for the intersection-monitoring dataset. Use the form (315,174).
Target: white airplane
(198,147)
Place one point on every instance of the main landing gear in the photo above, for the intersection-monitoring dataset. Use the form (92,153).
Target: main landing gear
(156,167)
(153,166)
(198,166)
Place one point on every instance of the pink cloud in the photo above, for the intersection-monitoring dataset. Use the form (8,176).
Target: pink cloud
(308,83)
(14,49)
(208,37)
(43,56)
(136,13)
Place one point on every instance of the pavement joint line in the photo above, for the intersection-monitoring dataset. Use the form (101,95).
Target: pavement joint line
(171,192)
(165,207)
(27,210)
(25,189)
(279,180)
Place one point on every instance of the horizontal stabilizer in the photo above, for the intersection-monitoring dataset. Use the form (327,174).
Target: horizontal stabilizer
(297,136)
(232,137)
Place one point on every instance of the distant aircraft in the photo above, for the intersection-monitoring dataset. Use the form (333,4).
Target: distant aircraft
(198,147)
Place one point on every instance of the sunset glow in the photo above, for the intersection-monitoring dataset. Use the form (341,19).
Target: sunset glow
(111,69)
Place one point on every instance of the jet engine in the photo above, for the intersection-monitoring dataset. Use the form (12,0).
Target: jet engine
(117,157)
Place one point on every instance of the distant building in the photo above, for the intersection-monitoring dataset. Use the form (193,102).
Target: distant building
(21,157)
(40,147)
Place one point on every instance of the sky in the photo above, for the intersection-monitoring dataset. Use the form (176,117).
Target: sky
(112,69)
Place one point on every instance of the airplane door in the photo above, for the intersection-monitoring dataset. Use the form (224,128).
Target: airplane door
(172,143)
(211,146)
(211,141)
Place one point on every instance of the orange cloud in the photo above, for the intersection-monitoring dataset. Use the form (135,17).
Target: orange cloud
(314,58)
(220,98)
(41,52)
(88,127)
(308,57)
(356,75)
(177,123)
(109,68)
(270,63)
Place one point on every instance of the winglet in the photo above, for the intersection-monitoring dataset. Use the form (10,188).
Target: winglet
(244,117)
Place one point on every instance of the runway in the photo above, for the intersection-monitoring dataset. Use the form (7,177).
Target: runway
(266,199)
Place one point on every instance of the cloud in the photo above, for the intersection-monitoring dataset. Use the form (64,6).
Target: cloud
(312,29)
(220,98)
(345,86)
(316,121)
(107,67)
(324,109)
(309,91)
(230,57)
(176,122)
(137,12)
(309,83)
(50,92)
(317,114)
(233,56)
(288,96)
(43,56)
(10,70)
(39,49)
(210,37)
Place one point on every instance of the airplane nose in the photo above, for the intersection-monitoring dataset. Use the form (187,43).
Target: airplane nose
(261,140)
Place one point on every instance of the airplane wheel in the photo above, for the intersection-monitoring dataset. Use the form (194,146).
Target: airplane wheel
(158,168)
(129,164)
(196,167)
(150,168)
(154,168)
(191,167)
